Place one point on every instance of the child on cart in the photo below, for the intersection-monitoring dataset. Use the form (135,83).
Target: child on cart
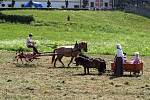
(136,58)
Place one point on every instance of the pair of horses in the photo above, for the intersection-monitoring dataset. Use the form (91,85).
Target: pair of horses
(80,59)
(68,52)
(87,63)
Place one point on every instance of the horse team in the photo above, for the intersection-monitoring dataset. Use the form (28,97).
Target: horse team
(80,59)
(76,54)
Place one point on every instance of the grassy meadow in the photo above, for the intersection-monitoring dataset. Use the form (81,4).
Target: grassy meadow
(35,81)
(39,80)
(100,29)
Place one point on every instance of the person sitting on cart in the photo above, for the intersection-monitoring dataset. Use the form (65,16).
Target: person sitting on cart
(136,58)
(31,44)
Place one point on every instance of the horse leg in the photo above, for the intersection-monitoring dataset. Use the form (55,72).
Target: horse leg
(70,61)
(26,60)
(55,62)
(59,57)
(88,70)
(61,62)
(84,70)
(17,58)
(21,60)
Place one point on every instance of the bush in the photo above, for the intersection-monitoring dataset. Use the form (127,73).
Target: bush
(9,5)
(22,5)
(16,18)
(3,5)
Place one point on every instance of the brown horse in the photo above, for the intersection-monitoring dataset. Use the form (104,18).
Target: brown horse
(68,52)
(87,63)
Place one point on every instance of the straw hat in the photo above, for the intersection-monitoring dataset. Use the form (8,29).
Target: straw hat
(136,53)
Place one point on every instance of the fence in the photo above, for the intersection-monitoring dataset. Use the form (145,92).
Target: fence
(143,11)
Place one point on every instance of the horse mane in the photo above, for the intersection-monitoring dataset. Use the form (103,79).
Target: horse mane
(84,56)
(81,45)
(81,59)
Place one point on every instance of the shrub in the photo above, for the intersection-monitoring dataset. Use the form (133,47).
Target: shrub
(16,18)
(3,5)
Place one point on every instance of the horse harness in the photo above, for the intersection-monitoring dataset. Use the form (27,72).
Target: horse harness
(72,50)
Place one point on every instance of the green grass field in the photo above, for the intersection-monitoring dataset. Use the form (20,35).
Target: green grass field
(39,80)
(101,29)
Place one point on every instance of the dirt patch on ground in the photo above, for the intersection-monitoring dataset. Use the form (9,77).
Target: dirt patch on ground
(35,81)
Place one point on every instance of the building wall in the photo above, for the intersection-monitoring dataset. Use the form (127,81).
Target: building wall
(93,4)
(101,4)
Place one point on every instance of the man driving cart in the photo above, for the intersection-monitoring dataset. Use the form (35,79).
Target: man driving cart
(31,44)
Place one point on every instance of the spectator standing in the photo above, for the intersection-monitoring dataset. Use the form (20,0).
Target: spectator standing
(13,3)
(48,4)
(119,61)
(66,3)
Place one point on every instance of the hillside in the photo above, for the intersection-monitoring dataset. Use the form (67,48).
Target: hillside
(101,29)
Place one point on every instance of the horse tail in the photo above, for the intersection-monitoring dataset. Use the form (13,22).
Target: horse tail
(53,57)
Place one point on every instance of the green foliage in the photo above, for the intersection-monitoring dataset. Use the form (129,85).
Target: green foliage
(101,29)
(16,18)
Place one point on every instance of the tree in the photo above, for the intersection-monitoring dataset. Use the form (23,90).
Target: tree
(1,1)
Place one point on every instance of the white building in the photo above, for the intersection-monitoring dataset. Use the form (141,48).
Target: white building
(91,4)
(100,4)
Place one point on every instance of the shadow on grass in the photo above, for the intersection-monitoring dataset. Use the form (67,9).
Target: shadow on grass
(25,65)
(113,76)
(107,73)
(82,74)
(63,67)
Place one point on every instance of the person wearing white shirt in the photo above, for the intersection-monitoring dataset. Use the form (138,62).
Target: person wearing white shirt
(31,44)
(119,61)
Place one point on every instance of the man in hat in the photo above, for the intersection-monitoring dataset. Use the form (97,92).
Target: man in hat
(31,44)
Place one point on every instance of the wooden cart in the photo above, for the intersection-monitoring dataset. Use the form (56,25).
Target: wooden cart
(128,67)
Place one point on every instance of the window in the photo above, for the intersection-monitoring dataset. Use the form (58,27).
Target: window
(92,4)
(106,4)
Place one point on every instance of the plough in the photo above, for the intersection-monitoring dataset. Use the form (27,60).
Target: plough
(29,57)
